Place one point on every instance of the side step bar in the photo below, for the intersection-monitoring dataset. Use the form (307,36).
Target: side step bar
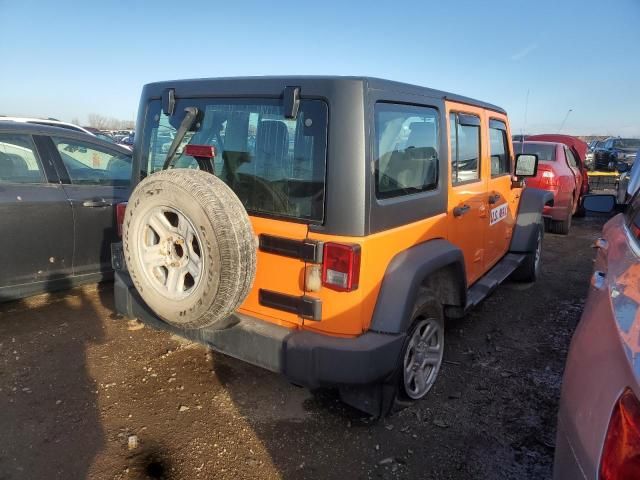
(488,283)
(498,274)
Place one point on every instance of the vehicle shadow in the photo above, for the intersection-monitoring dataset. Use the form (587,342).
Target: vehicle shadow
(50,420)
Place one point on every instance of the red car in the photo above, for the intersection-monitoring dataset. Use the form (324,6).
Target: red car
(558,172)
(579,149)
(598,434)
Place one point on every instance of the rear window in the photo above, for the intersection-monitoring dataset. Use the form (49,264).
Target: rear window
(626,143)
(275,165)
(545,152)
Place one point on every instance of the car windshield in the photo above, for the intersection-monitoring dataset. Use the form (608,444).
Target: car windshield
(275,165)
(546,151)
(626,143)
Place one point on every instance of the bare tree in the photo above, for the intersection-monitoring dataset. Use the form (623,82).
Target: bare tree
(109,123)
(75,121)
(98,121)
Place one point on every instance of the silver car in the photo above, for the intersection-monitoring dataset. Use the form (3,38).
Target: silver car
(629,183)
(598,435)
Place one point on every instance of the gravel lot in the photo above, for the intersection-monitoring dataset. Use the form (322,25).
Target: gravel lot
(85,396)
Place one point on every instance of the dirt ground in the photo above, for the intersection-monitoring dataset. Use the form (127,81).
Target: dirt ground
(83,396)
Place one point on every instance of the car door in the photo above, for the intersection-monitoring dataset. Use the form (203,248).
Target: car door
(96,178)
(501,198)
(36,244)
(467,212)
(572,163)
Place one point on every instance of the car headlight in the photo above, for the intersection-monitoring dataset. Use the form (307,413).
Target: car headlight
(619,155)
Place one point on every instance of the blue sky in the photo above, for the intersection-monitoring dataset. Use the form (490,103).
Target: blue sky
(69,59)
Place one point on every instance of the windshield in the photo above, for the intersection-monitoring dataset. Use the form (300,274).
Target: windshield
(274,164)
(626,143)
(546,151)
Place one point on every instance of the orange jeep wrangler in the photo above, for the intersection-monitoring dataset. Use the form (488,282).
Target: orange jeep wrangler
(323,227)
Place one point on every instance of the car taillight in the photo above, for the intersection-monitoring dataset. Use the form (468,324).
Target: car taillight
(548,177)
(621,453)
(120,209)
(341,266)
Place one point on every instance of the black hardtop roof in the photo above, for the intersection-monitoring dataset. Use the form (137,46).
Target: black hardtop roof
(47,130)
(275,84)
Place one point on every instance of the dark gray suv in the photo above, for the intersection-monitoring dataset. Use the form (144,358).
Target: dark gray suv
(58,195)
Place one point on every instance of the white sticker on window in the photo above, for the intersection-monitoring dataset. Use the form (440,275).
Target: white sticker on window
(498,213)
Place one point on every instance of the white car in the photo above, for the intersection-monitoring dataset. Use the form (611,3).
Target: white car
(47,121)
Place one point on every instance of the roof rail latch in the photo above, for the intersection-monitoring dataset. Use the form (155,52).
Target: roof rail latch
(291,99)
(169,101)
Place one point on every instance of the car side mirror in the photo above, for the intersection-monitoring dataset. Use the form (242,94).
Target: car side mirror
(526,165)
(622,167)
(599,203)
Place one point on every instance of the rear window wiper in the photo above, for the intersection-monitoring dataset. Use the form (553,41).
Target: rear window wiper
(191,113)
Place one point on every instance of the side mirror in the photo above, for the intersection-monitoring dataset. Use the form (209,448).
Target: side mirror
(622,167)
(599,203)
(526,165)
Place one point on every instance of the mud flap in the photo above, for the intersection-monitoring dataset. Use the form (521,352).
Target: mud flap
(376,400)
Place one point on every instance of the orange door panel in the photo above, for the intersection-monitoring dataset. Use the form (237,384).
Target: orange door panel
(500,196)
(349,313)
(276,273)
(467,199)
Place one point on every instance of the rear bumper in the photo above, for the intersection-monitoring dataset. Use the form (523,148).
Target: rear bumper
(306,358)
(565,462)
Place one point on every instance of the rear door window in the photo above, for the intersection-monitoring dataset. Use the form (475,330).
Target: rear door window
(19,162)
(406,149)
(89,164)
(275,165)
(465,148)
(570,158)
(499,146)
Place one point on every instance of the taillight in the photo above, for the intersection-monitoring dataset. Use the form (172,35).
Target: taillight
(548,177)
(621,453)
(120,209)
(635,229)
(341,266)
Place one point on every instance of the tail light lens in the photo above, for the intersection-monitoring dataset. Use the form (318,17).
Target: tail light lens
(548,177)
(341,267)
(120,209)
(621,452)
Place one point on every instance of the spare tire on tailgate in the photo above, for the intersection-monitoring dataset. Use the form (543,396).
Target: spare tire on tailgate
(189,247)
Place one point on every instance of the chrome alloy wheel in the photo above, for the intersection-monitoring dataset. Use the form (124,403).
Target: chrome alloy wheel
(170,252)
(423,357)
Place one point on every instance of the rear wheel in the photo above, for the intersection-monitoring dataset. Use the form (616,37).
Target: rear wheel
(561,227)
(529,270)
(423,350)
(580,211)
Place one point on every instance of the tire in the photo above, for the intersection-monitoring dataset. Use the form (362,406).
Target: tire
(427,313)
(189,247)
(580,211)
(561,227)
(529,270)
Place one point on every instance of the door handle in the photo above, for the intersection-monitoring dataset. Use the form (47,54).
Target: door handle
(493,199)
(461,210)
(96,203)
(601,244)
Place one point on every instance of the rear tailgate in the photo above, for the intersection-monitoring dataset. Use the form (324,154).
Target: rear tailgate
(280,277)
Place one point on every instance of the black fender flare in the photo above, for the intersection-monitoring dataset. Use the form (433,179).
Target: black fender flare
(406,274)
(529,219)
